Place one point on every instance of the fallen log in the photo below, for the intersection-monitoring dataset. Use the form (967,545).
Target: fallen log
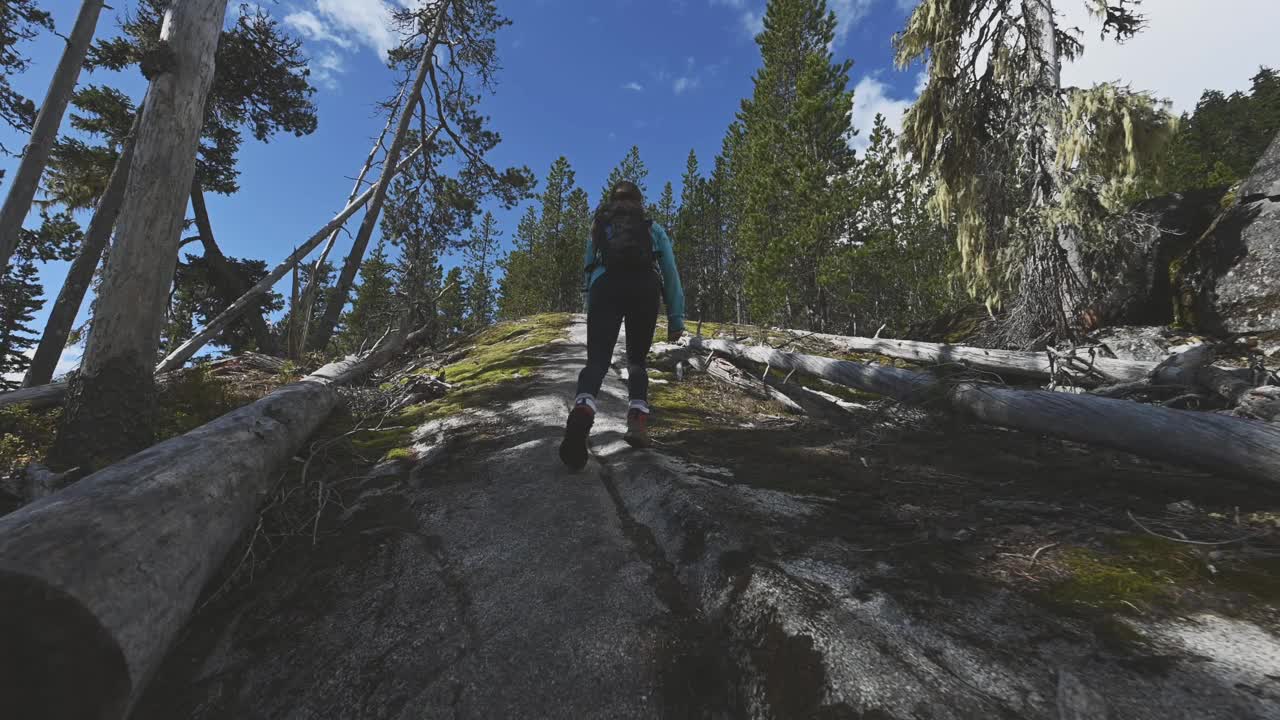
(727,373)
(98,579)
(1083,368)
(1214,442)
(36,398)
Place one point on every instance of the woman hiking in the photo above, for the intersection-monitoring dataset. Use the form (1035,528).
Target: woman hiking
(625,253)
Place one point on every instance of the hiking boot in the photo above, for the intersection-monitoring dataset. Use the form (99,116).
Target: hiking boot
(637,429)
(573,449)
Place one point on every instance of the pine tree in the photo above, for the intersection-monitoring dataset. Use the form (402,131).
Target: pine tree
(1031,207)
(796,158)
(21,292)
(691,247)
(1218,144)
(543,273)
(20,20)
(894,268)
(664,213)
(481,259)
(631,168)
(522,289)
(453,305)
(374,310)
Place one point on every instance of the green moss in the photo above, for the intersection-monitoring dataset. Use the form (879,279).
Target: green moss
(498,356)
(1145,570)
(382,440)
(500,353)
(25,436)
(399,454)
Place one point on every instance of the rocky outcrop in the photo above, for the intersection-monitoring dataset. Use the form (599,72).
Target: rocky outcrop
(1144,343)
(1229,281)
(1138,290)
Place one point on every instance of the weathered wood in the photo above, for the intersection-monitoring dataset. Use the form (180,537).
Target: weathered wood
(98,579)
(1218,443)
(215,327)
(303,319)
(725,372)
(36,398)
(26,179)
(75,286)
(337,295)
(111,408)
(1001,362)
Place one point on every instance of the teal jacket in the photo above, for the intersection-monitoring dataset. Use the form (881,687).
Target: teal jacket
(672,291)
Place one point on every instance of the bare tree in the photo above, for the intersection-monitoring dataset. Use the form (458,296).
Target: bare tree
(27,178)
(111,410)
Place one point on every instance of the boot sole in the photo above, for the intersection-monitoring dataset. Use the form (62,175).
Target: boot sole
(573,455)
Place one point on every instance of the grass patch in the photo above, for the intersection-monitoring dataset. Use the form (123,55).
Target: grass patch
(497,357)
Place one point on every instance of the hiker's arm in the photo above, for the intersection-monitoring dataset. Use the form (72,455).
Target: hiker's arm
(670,279)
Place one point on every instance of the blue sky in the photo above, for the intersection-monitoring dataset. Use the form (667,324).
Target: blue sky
(589,78)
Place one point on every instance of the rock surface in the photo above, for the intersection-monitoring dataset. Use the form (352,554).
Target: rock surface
(1145,343)
(1229,282)
(488,582)
(1138,289)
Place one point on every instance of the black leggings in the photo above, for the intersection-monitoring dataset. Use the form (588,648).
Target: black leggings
(618,297)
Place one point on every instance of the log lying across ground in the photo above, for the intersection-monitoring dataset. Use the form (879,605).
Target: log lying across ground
(1218,443)
(97,580)
(1040,366)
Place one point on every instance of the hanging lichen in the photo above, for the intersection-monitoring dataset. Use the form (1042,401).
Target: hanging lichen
(1029,173)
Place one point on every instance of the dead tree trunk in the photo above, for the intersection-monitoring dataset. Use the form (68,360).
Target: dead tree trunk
(342,288)
(154,529)
(184,352)
(1080,368)
(313,283)
(80,275)
(1214,442)
(225,279)
(26,180)
(111,409)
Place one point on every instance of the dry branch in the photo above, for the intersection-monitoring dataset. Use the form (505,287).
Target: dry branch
(1215,442)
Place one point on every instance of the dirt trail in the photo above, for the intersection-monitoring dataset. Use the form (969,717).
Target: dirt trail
(489,582)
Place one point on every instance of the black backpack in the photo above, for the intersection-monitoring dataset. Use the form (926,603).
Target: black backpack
(626,242)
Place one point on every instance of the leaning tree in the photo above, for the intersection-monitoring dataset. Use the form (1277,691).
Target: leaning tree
(451,44)
(260,85)
(1029,173)
(110,412)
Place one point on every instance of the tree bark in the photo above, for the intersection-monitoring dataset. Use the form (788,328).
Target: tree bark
(80,275)
(313,283)
(338,295)
(154,529)
(26,180)
(111,409)
(226,281)
(184,352)
(1217,443)
(1081,369)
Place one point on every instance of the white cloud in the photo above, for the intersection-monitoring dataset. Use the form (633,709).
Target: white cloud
(326,68)
(1188,46)
(685,84)
(305,23)
(368,21)
(870,98)
(633,86)
(848,14)
(753,22)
